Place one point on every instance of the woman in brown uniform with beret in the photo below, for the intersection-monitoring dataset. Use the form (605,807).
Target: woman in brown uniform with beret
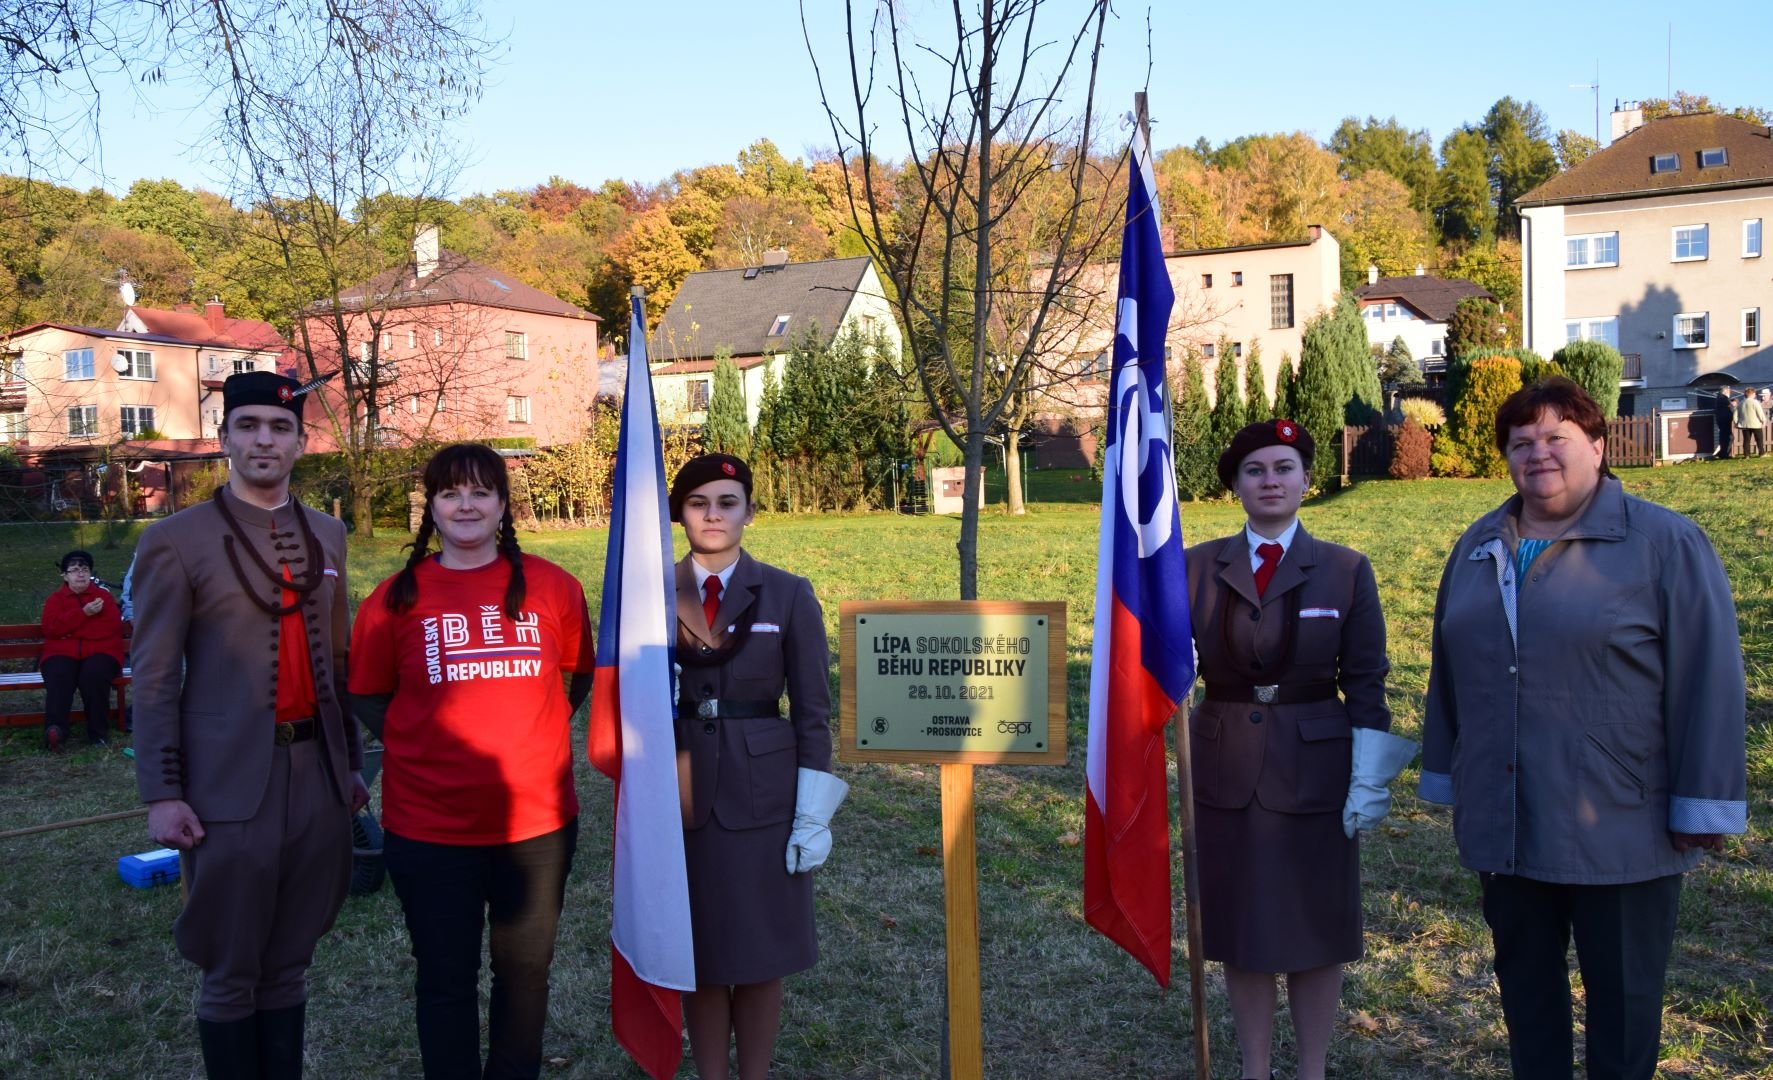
(756,785)
(1285,771)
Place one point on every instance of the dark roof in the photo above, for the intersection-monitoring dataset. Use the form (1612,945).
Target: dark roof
(1434,298)
(1622,170)
(1183,253)
(456,279)
(273,343)
(736,309)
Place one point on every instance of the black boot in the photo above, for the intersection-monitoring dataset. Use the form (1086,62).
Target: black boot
(280,1042)
(230,1048)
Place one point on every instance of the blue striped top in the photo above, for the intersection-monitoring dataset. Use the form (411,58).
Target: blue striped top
(1524,553)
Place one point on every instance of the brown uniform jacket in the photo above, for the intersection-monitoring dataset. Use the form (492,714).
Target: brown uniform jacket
(744,771)
(205,658)
(1292,758)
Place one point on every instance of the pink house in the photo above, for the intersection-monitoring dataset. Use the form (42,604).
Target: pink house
(443,349)
(83,406)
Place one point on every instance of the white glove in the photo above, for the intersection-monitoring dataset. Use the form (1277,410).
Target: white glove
(817,796)
(1378,757)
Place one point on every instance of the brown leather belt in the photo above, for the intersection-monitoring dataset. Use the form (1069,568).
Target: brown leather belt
(293,731)
(1280,694)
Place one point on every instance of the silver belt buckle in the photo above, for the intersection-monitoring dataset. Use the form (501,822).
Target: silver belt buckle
(708,709)
(1267,694)
(283,734)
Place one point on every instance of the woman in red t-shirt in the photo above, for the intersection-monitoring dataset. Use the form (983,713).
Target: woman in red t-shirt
(457,664)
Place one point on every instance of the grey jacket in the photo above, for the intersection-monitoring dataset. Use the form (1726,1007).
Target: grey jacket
(1573,730)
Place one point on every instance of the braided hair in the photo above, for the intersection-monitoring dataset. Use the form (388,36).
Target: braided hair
(452,466)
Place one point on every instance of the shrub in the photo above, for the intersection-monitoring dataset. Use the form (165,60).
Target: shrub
(1476,324)
(1425,412)
(1411,451)
(1472,426)
(1596,367)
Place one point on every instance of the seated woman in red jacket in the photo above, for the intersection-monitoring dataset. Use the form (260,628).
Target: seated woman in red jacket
(82,649)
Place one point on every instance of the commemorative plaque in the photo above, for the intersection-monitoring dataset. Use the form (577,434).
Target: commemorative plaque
(941,682)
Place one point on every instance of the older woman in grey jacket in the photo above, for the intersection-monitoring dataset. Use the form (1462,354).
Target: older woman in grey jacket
(1585,719)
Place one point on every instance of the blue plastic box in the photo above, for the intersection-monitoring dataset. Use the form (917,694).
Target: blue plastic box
(149,869)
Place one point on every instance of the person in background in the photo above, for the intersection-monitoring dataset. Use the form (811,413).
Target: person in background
(458,664)
(1292,754)
(245,755)
(82,650)
(1723,411)
(756,786)
(1585,720)
(1751,420)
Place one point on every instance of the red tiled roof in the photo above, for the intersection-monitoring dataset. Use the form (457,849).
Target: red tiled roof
(691,367)
(1622,170)
(193,327)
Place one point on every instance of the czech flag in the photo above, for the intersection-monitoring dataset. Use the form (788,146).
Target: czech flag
(632,742)
(1142,664)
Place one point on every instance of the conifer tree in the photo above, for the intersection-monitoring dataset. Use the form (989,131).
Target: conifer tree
(1228,399)
(727,429)
(1197,455)
(1256,403)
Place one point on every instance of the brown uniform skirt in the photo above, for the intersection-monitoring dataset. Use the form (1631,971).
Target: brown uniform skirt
(1279,892)
(752,920)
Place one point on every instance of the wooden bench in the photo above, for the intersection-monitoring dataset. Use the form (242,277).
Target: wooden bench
(24,642)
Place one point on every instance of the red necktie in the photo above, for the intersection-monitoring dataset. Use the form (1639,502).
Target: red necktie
(711,601)
(1271,557)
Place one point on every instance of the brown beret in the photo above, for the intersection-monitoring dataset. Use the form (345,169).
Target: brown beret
(1259,436)
(705,470)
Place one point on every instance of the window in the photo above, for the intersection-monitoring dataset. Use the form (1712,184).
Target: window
(387,341)
(442,402)
(1206,281)
(77,364)
(244,364)
(1237,278)
(136,364)
(1751,238)
(1280,301)
(13,428)
(780,326)
(363,352)
(412,404)
(1597,329)
(83,421)
(698,395)
(437,339)
(1751,326)
(1237,350)
(1713,157)
(1209,350)
(1391,313)
(516,346)
(1592,249)
(1662,163)
(1692,330)
(1689,243)
(517,409)
(412,338)
(137,419)
(1437,347)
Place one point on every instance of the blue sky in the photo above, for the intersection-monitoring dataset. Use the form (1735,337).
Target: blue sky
(600,90)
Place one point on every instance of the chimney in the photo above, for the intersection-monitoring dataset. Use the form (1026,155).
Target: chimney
(1372,274)
(775,258)
(1420,270)
(212,314)
(424,251)
(1627,118)
(1315,232)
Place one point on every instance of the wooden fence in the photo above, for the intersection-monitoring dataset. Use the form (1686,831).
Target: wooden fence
(1367,451)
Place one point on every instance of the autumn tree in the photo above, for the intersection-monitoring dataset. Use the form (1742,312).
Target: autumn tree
(983,111)
(1685,103)
(1379,227)
(1572,148)
(1387,146)
(1463,208)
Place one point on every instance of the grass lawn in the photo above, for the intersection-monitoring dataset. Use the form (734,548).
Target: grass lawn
(90,985)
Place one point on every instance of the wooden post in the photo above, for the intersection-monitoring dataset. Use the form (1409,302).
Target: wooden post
(1197,967)
(960,878)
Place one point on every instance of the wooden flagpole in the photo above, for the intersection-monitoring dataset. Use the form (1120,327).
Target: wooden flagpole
(1197,975)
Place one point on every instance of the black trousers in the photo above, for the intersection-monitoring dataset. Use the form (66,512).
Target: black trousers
(1752,435)
(450,892)
(1623,935)
(92,676)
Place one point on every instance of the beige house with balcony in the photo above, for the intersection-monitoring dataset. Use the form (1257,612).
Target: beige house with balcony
(757,314)
(1656,245)
(145,397)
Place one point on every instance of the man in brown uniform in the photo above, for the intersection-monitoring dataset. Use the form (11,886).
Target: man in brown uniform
(245,754)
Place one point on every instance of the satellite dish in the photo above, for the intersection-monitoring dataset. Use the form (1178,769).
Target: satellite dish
(119,364)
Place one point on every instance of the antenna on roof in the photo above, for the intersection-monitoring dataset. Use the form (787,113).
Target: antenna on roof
(1596,87)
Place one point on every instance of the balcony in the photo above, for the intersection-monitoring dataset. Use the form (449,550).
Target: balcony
(12,397)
